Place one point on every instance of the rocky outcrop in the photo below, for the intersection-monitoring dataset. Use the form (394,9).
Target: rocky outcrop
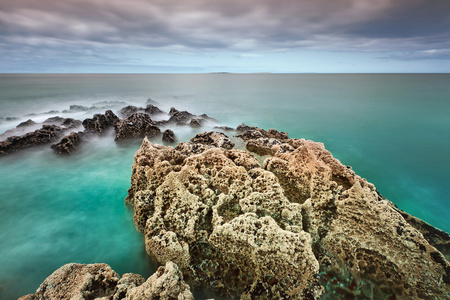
(168,136)
(213,138)
(43,136)
(27,123)
(302,226)
(99,281)
(223,220)
(68,144)
(138,125)
(153,110)
(100,122)
(127,111)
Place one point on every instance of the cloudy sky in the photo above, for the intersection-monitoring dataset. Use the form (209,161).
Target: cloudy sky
(185,36)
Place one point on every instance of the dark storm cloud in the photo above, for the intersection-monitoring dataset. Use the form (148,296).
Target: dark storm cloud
(263,25)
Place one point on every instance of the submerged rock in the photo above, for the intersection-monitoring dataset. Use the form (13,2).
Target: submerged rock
(302,226)
(168,136)
(138,125)
(99,281)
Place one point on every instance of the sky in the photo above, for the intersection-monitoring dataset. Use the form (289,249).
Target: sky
(243,36)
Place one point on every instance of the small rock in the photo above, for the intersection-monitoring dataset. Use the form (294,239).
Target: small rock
(168,136)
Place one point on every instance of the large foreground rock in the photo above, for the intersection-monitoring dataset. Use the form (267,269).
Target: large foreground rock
(301,226)
(99,281)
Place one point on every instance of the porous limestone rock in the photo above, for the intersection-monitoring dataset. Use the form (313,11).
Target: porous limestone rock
(223,220)
(137,125)
(99,281)
(302,227)
(362,242)
(166,284)
(77,281)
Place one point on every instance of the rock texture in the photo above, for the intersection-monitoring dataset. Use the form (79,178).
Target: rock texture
(68,144)
(45,135)
(168,136)
(100,122)
(138,125)
(99,281)
(303,226)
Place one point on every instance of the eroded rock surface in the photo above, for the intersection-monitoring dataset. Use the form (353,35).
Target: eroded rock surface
(43,136)
(99,281)
(302,226)
(100,122)
(223,220)
(138,125)
(68,144)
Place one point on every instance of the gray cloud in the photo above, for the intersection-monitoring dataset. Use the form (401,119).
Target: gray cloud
(202,25)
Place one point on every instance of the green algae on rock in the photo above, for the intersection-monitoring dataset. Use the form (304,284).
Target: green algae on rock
(303,226)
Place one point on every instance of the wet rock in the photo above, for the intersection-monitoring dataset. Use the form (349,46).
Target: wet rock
(100,122)
(76,108)
(224,128)
(71,123)
(129,110)
(249,133)
(153,110)
(138,125)
(173,111)
(45,135)
(213,138)
(196,122)
(55,120)
(180,117)
(168,136)
(68,144)
(151,101)
(29,122)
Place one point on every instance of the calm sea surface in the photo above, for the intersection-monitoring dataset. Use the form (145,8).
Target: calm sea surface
(393,129)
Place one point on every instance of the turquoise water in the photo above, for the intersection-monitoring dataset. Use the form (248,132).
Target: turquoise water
(393,129)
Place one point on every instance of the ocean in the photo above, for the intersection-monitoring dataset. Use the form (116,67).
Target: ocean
(392,129)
